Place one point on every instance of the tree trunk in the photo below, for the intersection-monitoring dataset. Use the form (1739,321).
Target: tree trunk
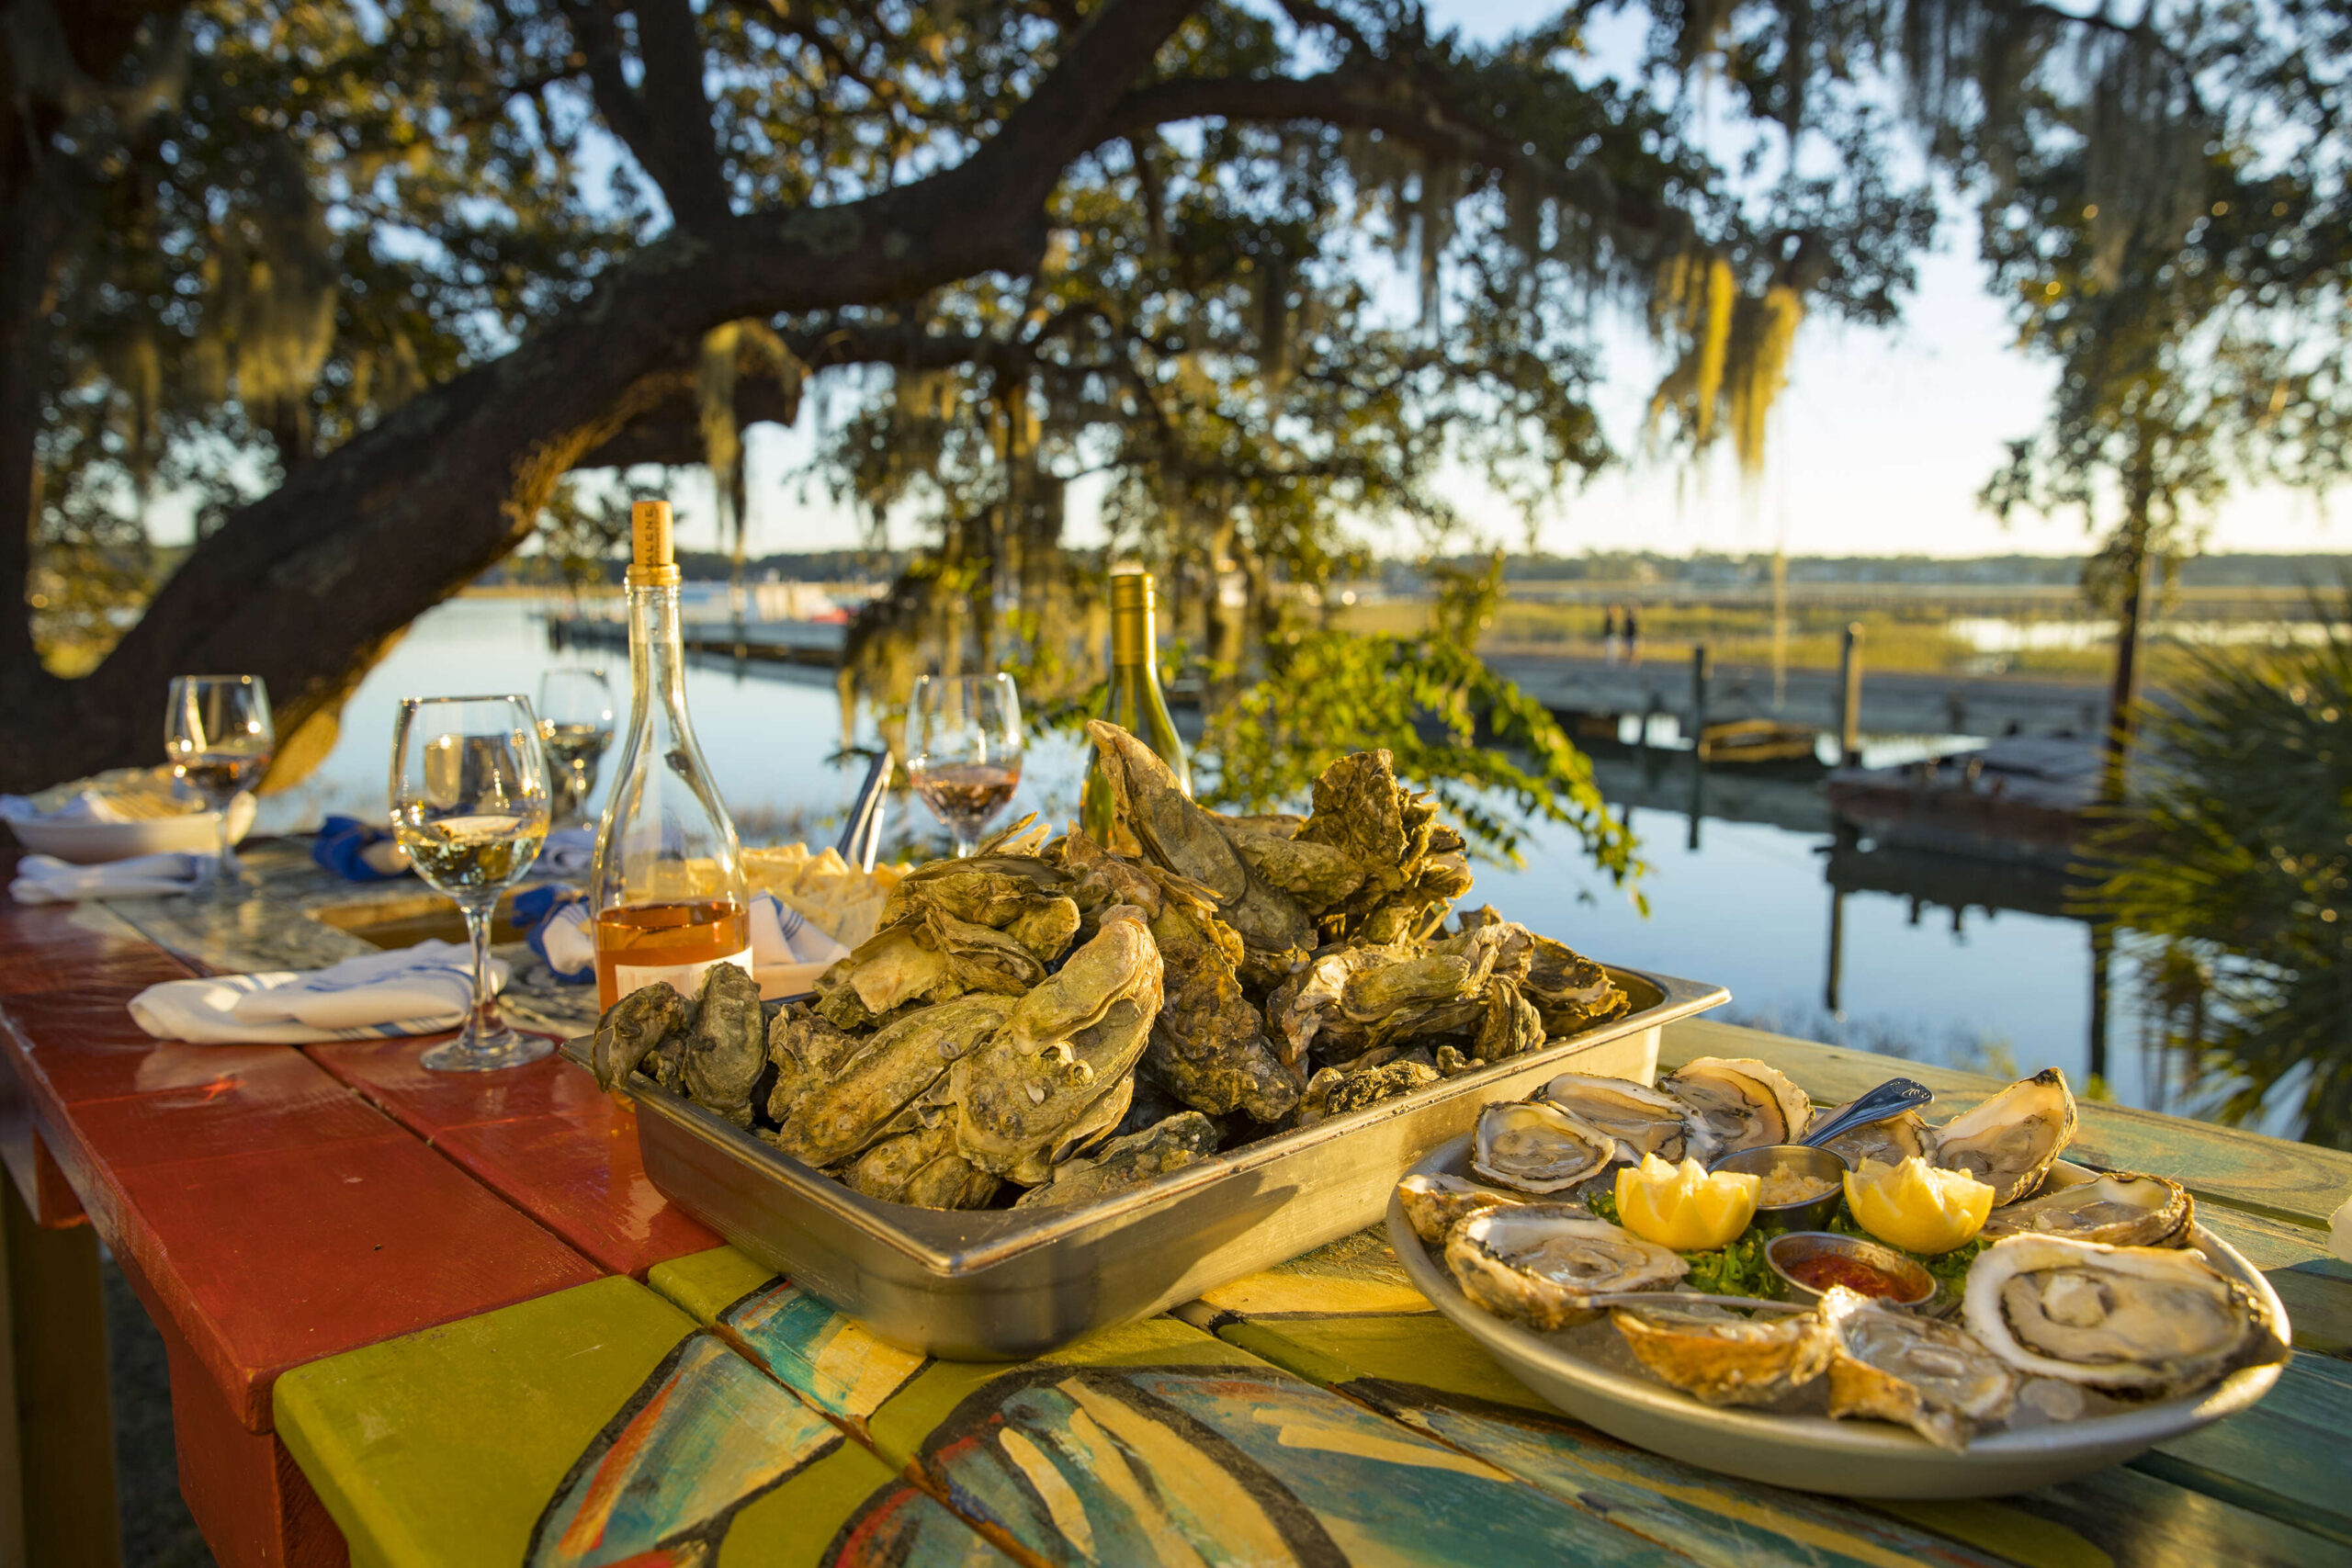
(2123,694)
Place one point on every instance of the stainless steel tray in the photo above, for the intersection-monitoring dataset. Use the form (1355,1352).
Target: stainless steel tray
(1005,1285)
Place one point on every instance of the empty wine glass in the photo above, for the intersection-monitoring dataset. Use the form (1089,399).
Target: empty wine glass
(576,725)
(964,746)
(470,804)
(220,737)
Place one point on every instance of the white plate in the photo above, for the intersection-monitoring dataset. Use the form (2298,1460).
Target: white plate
(1813,1454)
(89,844)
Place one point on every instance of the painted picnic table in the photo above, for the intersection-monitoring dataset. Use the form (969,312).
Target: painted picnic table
(416,1319)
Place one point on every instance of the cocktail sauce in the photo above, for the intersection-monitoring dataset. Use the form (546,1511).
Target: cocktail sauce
(1824,1269)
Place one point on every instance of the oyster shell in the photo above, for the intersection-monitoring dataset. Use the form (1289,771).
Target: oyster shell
(1059,1072)
(1571,991)
(1183,1139)
(727,1044)
(1335,1091)
(867,1090)
(1435,1204)
(1889,1142)
(932,956)
(923,1168)
(1535,1146)
(1307,1003)
(2009,1142)
(633,1027)
(1920,1373)
(1643,1120)
(805,1048)
(2120,1209)
(1542,1263)
(1736,1103)
(2138,1320)
(1026,904)
(1316,874)
(1208,1045)
(1719,1357)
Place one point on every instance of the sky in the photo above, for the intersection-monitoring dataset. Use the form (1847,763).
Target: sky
(1881,443)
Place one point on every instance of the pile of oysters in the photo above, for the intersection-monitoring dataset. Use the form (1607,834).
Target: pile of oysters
(2087,1292)
(1041,1021)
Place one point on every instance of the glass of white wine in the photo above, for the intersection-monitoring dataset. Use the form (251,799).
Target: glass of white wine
(470,805)
(220,737)
(964,749)
(576,725)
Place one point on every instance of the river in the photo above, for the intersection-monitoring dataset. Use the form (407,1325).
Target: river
(1748,907)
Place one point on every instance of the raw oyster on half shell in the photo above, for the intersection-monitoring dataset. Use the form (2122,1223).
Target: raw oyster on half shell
(1542,1263)
(1928,1375)
(1644,1121)
(2118,1209)
(2134,1320)
(1737,1103)
(1721,1357)
(1889,1142)
(2010,1142)
(1535,1146)
(1435,1204)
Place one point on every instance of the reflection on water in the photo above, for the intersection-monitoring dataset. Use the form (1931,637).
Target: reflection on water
(1934,959)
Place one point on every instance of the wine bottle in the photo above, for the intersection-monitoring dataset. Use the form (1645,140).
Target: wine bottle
(667,890)
(1134,703)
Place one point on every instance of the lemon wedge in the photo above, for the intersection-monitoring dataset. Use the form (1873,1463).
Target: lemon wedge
(1917,1207)
(1683,1207)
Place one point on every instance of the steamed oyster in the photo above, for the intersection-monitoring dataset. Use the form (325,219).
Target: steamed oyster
(1542,1263)
(1723,1359)
(1335,1091)
(727,1044)
(633,1027)
(1059,1073)
(2139,1320)
(1930,1376)
(869,1089)
(1535,1146)
(1889,1142)
(1412,865)
(1208,1045)
(2010,1142)
(921,1167)
(1644,1121)
(1435,1204)
(1183,1139)
(932,956)
(2120,1209)
(1737,1103)
(805,1049)
(1569,989)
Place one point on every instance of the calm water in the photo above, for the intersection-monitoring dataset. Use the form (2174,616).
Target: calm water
(1749,908)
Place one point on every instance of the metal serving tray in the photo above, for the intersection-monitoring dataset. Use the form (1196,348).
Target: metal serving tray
(1000,1284)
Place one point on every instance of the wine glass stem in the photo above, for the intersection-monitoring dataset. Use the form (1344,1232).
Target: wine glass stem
(963,846)
(226,871)
(485,1021)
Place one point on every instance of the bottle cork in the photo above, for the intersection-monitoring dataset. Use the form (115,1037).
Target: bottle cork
(1131,617)
(652,560)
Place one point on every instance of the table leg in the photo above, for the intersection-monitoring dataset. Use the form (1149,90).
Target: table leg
(61,1474)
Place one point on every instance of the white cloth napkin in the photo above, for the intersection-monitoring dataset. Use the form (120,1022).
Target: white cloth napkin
(569,852)
(84,805)
(569,945)
(411,990)
(45,879)
(787,953)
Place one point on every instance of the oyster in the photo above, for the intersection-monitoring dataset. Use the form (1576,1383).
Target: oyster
(805,1048)
(1644,1121)
(1542,1263)
(1060,1071)
(1183,1139)
(1208,1045)
(1569,989)
(1019,905)
(727,1044)
(633,1027)
(1335,1091)
(868,1091)
(923,1168)
(1923,1373)
(2120,1209)
(1307,1003)
(932,956)
(1316,874)
(1889,1142)
(1191,842)
(1101,880)
(1535,1146)
(1737,1103)
(1435,1204)
(2136,1320)
(1723,1359)
(2010,1142)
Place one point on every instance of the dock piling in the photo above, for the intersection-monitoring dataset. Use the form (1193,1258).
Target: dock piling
(1698,702)
(1849,698)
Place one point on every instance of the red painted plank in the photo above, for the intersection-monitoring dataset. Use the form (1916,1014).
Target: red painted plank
(272,1097)
(48,947)
(544,1137)
(269,1261)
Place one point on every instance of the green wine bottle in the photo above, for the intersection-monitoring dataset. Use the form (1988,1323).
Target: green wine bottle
(1134,703)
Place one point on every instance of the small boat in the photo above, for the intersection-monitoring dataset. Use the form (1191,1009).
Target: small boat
(2019,799)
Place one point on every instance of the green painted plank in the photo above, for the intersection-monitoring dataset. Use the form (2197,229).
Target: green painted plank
(2143,1521)
(705,1284)
(2268,1176)
(2317,1294)
(2285,1457)
(881,1520)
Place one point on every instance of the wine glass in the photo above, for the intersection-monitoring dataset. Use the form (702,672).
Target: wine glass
(219,736)
(470,804)
(575,725)
(964,746)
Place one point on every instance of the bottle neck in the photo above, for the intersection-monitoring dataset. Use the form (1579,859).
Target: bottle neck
(1132,638)
(656,658)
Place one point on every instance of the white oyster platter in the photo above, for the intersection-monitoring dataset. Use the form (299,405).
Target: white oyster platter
(1588,1371)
